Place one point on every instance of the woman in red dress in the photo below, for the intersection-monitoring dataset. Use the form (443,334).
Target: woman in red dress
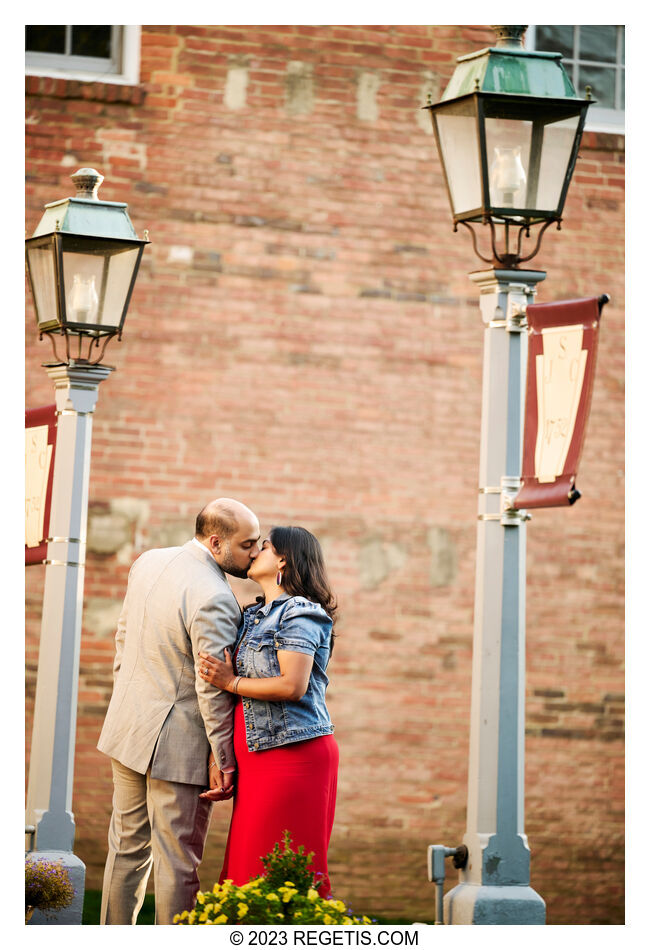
(287,758)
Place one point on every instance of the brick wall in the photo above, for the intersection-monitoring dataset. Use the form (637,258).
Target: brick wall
(303,336)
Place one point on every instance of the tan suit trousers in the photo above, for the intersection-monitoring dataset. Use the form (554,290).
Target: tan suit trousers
(154,824)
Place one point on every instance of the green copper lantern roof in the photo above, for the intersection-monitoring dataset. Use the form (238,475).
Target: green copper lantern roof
(509,68)
(86,214)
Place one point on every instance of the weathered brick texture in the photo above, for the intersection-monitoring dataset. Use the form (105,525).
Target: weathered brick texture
(303,336)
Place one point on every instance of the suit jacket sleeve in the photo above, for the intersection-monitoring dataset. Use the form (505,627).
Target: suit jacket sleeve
(121,631)
(213,628)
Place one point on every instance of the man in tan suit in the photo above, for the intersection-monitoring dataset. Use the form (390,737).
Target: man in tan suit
(168,733)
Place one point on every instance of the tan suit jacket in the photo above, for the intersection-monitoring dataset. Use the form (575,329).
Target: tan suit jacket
(161,713)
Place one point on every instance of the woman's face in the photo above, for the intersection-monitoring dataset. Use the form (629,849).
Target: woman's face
(267,563)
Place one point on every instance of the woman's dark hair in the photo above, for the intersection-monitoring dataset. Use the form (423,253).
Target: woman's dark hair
(304,573)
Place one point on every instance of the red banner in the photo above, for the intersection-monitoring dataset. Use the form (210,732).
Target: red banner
(40,445)
(562,346)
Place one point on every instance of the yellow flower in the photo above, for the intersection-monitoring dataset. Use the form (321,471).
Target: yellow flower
(221,919)
(200,897)
(242,909)
(289,884)
(204,916)
(327,919)
(346,920)
(176,918)
(366,920)
(338,905)
(287,893)
(272,897)
(312,894)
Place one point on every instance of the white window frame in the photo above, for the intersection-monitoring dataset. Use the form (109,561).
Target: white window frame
(598,119)
(123,70)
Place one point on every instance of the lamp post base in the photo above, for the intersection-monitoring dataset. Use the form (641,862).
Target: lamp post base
(76,869)
(494,904)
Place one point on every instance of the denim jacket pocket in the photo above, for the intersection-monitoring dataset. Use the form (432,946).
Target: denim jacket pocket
(263,658)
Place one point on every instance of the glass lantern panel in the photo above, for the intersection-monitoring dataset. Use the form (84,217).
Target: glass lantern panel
(508,146)
(458,136)
(83,282)
(43,277)
(97,284)
(558,139)
(121,266)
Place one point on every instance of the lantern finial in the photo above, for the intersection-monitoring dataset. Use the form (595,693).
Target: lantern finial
(87,182)
(512,36)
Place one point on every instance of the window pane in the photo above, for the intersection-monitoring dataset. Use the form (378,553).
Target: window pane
(602,82)
(555,39)
(621,104)
(598,43)
(45,39)
(91,41)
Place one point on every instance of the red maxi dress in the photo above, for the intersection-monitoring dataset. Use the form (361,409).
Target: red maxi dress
(291,787)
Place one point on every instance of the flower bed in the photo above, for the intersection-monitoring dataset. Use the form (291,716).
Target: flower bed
(285,894)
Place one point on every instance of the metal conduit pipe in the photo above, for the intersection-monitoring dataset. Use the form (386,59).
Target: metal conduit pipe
(436,854)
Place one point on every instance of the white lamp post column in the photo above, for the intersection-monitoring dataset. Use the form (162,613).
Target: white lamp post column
(82,260)
(49,797)
(494,886)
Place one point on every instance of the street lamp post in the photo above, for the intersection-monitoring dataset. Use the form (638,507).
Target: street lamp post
(82,261)
(508,128)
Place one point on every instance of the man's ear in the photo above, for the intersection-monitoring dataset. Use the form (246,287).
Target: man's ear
(215,542)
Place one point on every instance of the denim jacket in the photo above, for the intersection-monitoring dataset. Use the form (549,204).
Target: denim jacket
(298,625)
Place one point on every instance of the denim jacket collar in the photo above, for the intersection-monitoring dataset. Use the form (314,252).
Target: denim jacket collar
(260,607)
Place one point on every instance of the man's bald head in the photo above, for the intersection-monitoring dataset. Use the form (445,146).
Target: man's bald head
(230,531)
(222,517)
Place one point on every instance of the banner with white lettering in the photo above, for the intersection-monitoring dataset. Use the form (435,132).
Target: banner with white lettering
(40,444)
(562,346)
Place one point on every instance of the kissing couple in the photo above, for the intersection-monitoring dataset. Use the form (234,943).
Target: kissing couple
(211,703)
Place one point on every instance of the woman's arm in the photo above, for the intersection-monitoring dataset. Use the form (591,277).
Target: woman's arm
(291,684)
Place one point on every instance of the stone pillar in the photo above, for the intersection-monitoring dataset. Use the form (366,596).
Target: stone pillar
(495,887)
(49,795)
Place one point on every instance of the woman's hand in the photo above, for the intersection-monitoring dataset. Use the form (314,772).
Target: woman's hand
(221,784)
(215,671)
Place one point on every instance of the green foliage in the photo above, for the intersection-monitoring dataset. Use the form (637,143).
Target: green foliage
(288,865)
(47,885)
(285,894)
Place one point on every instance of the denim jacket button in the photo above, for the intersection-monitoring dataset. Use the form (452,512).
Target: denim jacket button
(256,621)
(257,745)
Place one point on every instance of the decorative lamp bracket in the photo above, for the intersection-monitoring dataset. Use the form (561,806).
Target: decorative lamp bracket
(510,485)
(516,317)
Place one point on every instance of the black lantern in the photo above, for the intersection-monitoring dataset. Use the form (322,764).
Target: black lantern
(83,259)
(508,129)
